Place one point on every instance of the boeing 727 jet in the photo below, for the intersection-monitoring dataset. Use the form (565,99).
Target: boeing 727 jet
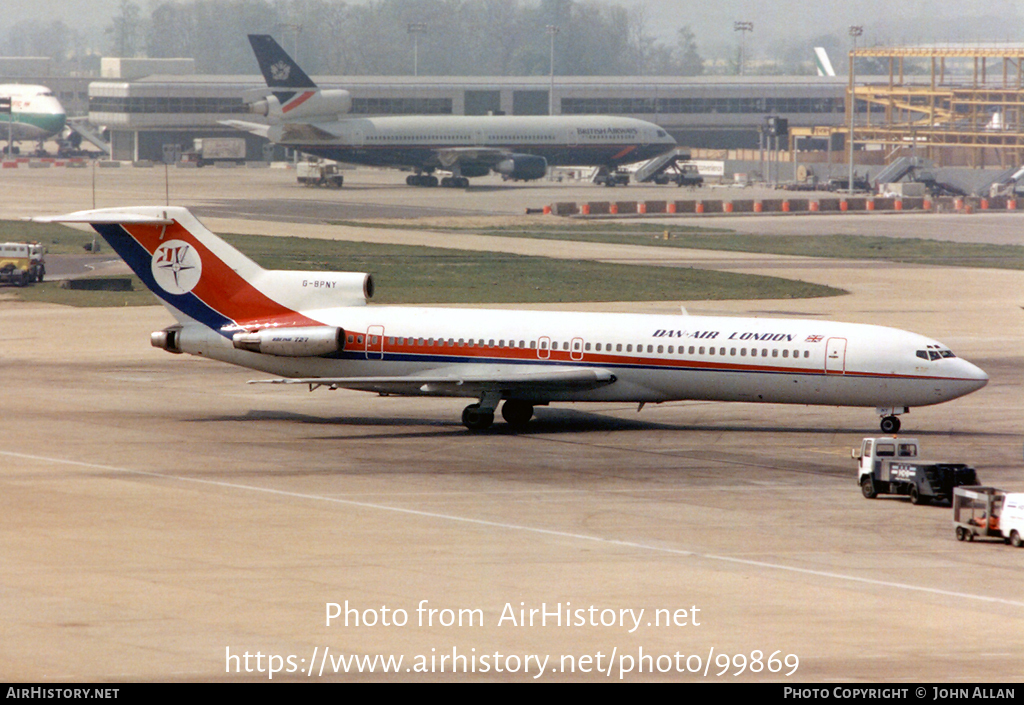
(317,329)
(302,116)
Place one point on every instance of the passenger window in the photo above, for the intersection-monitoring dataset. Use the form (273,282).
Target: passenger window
(629,348)
(618,347)
(598,347)
(691,350)
(785,353)
(743,352)
(711,351)
(732,351)
(721,351)
(586,347)
(660,349)
(701,350)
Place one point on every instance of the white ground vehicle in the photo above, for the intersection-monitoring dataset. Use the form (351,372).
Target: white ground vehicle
(211,150)
(892,465)
(21,263)
(323,174)
(988,512)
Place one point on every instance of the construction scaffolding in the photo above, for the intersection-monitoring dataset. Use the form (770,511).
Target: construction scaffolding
(956,105)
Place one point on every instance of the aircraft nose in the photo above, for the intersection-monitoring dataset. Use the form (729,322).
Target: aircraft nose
(973,375)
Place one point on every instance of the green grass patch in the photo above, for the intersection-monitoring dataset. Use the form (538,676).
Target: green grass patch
(51,293)
(890,249)
(58,239)
(421,275)
(408,274)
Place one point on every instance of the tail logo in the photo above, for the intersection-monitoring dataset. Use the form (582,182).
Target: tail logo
(177,267)
(280,71)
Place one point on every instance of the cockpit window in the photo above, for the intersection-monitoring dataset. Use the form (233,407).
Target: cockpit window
(934,353)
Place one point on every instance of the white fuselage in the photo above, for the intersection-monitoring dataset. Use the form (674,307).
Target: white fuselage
(35,113)
(653,358)
(423,141)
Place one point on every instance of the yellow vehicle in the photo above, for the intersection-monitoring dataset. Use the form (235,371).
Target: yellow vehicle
(21,263)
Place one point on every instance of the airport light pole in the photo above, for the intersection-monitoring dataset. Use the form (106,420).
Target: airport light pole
(552,30)
(742,28)
(296,29)
(855,31)
(416,29)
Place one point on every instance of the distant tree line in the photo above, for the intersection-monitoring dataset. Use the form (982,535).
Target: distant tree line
(458,37)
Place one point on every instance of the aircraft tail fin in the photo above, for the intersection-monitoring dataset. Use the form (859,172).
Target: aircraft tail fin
(200,277)
(279,69)
(822,63)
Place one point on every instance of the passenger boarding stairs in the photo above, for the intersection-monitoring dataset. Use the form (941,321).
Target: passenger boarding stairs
(661,164)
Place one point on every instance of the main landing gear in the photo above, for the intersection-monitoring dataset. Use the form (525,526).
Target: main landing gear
(430,181)
(479,417)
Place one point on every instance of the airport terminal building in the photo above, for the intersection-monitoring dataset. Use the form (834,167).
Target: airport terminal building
(153,117)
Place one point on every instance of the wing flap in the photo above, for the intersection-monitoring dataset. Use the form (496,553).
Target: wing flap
(467,383)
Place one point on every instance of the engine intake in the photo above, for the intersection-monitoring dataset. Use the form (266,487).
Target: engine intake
(311,341)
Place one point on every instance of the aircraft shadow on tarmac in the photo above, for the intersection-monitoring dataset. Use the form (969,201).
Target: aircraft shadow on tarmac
(550,421)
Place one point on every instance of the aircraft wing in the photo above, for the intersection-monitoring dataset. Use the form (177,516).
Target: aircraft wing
(290,133)
(254,128)
(468,381)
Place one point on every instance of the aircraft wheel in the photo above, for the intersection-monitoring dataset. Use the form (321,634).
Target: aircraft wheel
(446,182)
(867,488)
(412,180)
(462,182)
(430,181)
(890,424)
(1015,540)
(475,419)
(517,413)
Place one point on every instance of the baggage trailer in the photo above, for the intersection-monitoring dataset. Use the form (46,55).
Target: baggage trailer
(892,465)
(988,512)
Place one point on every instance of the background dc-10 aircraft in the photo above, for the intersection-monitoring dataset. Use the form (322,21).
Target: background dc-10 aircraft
(305,117)
(316,328)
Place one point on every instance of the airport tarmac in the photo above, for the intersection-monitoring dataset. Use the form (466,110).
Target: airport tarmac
(162,518)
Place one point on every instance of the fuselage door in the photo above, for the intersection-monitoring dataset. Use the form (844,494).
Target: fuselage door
(835,356)
(375,343)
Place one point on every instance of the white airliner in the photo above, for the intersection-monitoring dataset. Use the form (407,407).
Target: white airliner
(316,329)
(36,114)
(304,117)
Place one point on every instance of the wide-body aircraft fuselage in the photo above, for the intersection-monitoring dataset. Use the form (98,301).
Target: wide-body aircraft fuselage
(426,141)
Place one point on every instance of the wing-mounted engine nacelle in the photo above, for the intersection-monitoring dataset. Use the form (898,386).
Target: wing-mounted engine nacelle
(311,341)
(523,167)
(304,105)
